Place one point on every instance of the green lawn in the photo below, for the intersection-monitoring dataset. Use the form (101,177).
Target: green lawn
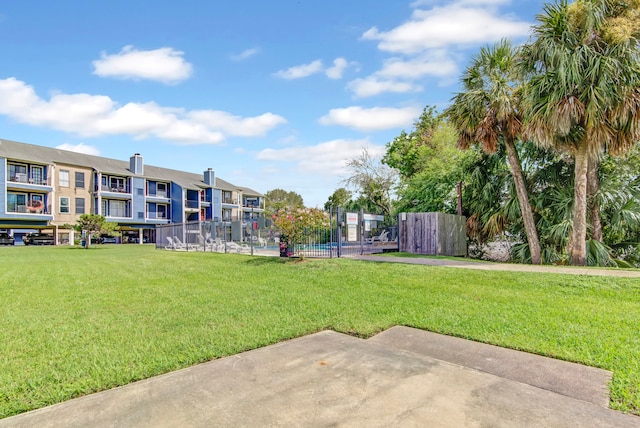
(75,321)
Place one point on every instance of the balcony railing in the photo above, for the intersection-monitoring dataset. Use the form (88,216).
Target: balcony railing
(28,209)
(191,204)
(114,189)
(158,195)
(23,178)
(153,215)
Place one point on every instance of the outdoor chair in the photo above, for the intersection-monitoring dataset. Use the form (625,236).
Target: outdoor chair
(383,237)
(179,244)
(174,245)
(238,248)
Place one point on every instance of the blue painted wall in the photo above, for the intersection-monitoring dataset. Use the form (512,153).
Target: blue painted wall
(216,204)
(138,198)
(177,205)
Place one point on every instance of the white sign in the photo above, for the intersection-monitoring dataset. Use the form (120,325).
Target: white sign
(352,233)
(352,218)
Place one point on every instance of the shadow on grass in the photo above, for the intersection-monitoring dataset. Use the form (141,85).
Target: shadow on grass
(266,261)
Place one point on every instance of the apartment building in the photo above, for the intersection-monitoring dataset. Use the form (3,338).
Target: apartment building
(43,188)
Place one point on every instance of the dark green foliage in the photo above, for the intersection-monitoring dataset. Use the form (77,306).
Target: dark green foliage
(278,199)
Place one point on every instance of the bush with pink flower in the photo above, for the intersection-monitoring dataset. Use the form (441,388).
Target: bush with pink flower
(295,224)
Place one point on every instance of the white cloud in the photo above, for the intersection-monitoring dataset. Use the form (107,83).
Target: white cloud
(98,115)
(237,125)
(80,148)
(163,65)
(431,42)
(328,158)
(461,23)
(398,75)
(305,70)
(245,54)
(339,66)
(373,119)
(373,85)
(300,71)
(436,63)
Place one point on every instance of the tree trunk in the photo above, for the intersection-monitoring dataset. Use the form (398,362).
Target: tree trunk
(459,191)
(579,251)
(523,199)
(594,207)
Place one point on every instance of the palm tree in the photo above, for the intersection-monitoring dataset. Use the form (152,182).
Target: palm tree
(487,113)
(583,92)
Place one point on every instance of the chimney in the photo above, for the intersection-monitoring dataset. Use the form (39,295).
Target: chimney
(210,177)
(136,164)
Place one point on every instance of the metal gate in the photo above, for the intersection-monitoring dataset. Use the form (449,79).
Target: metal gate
(349,233)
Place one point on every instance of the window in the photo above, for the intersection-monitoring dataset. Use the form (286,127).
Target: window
(79,205)
(64,204)
(80,180)
(111,208)
(16,202)
(64,179)
(117,184)
(117,208)
(161,211)
(161,190)
(37,175)
(17,172)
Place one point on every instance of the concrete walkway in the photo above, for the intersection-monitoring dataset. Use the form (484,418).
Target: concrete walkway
(512,267)
(402,377)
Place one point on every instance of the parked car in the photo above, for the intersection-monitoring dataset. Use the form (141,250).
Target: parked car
(109,239)
(38,239)
(6,239)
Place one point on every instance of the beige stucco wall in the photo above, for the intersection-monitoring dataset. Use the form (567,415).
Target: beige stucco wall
(72,192)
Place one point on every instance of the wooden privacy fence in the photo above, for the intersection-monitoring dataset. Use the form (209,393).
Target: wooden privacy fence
(437,234)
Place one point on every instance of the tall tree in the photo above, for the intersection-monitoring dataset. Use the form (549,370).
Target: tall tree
(372,180)
(278,199)
(583,93)
(341,197)
(439,167)
(487,112)
(406,152)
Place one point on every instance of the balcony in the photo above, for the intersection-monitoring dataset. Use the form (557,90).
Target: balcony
(161,195)
(191,205)
(158,217)
(115,192)
(118,189)
(30,208)
(24,178)
(23,182)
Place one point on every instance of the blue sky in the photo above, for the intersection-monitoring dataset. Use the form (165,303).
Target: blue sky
(270,94)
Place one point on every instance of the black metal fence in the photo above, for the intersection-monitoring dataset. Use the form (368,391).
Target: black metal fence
(221,237)
(345,234)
